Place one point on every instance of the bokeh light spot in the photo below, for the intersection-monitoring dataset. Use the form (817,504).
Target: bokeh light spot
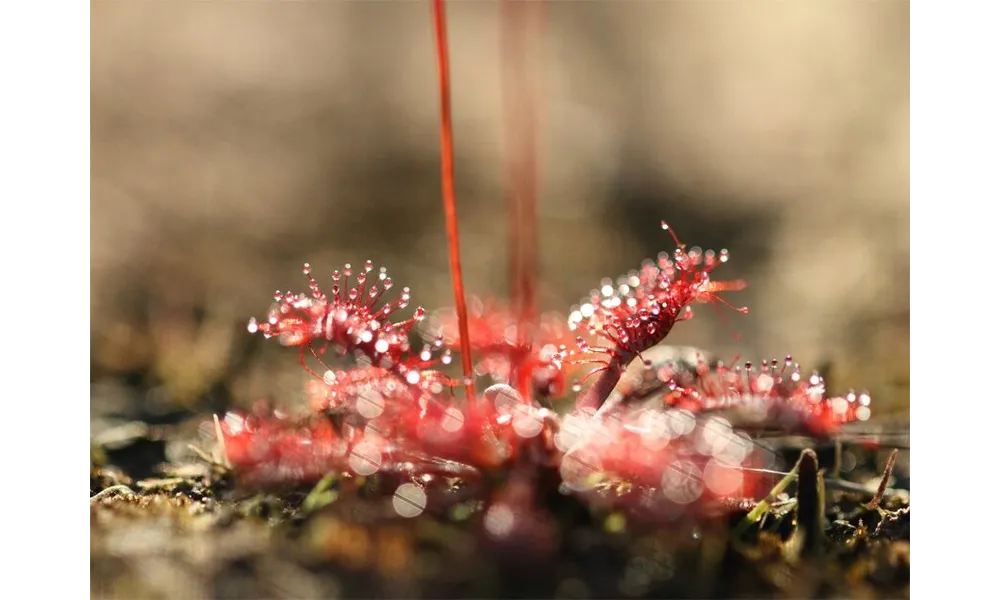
(682,482)
(365,459)
(409,501)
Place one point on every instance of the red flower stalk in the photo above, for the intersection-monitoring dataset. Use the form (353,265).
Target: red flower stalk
(642,309)
(448,188)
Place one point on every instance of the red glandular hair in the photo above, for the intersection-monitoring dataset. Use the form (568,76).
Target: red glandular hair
(351,321)
(770,396)
(639,310)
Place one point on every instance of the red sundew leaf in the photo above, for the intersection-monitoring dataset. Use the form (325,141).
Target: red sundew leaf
(337,389)
(351,320)
(487,433)
(403,437)
(770,397)
(664,463)
(275,451)
(639,310)
(266,451)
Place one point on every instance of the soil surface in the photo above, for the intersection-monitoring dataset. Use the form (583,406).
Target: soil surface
(167,523)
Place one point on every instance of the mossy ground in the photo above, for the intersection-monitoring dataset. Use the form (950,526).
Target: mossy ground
(185,529)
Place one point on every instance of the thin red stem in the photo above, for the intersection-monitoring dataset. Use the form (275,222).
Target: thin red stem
(518,23)
(448,194)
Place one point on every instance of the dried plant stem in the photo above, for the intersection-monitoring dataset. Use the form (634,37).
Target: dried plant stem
(448,193)
(809,512)
(758,511)
(885,480)
(840,485)
(115,489)
(835,484)
(219,453)
(838,457)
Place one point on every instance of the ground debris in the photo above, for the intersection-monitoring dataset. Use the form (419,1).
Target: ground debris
(190,531)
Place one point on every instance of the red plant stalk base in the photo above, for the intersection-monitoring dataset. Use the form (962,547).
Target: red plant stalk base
(685,450)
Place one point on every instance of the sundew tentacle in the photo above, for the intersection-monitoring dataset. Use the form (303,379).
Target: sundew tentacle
(634,314)
(350,320)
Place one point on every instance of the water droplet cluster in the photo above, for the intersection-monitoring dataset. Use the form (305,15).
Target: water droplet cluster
(773,392)
(352,318)
(638,310)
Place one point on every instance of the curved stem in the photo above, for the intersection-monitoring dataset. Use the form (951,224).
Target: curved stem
(448,192)
(597,394)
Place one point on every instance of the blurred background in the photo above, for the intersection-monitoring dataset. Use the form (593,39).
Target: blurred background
(233,141)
